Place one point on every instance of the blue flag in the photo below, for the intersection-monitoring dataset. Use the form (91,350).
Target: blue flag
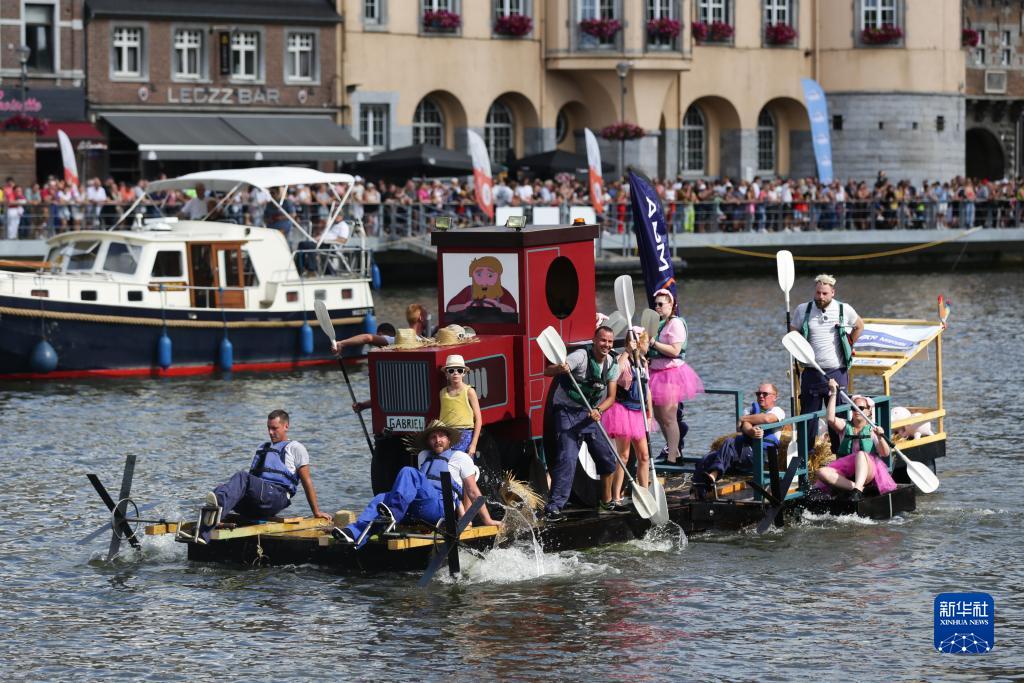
(651,237)
(821,140)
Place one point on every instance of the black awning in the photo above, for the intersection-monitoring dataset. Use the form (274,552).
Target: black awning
(237,137)
(251,11)
(550,164)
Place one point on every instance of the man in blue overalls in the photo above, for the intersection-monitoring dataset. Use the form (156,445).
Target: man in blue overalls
(416,493)
(267,487)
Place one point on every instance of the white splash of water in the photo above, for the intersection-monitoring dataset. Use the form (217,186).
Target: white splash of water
(667,538)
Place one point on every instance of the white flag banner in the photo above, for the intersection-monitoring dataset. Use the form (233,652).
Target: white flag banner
(67,153)
(482,180)
(594,178)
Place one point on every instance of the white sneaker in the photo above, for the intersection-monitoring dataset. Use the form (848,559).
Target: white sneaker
(211,499)
(343,536)
(386,518)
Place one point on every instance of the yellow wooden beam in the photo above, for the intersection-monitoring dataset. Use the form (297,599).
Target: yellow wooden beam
(420,540)
(291,524)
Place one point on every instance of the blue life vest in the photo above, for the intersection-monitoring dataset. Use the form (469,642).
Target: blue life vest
(268,464)
(771,439)
(862,441)
(631,398)
(432,468)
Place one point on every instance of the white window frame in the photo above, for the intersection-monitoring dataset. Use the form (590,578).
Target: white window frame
(687,133)
(505,8)
(1005,38)
(239,48)
(778,12)
(181,46)
(769,133)
(380,10)
(55,32)
(121,43)
(875,13)
(979,56)
(493,128)
(660,9)
(1005,57)
(292,55)
(710,11)
(421,128)
(598,9)
(374,119)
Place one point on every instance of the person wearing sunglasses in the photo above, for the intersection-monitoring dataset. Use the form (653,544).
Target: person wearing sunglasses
(460,406)
(832,328)
(736,454)
(859,461)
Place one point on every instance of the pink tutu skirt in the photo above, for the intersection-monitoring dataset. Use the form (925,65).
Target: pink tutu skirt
(622,423)
(672,385)
(847,466)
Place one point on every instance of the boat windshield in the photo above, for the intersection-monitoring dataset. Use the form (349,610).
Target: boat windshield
(122,258)
(81,255)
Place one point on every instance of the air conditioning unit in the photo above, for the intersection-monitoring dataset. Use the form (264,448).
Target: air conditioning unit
(995,82)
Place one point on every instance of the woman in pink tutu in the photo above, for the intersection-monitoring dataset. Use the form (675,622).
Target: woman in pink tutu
(672,380)
(626,420)
(858,463)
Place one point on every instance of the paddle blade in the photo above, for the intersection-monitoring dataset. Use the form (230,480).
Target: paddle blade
(660,500)
(617,322)
(551,345)
(650,321)
(643,501)
(800,349)
(587,462)
(920,474)
(324,318)
(624,296)
(441,554)
(784,264)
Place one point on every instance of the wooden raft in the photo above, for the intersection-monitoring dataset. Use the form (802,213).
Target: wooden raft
(406,541)
(276,525)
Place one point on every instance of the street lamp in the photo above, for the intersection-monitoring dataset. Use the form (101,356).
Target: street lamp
(622,69)
(24,52)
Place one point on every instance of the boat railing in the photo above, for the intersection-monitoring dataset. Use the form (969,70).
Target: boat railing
(800,426)
(329,262)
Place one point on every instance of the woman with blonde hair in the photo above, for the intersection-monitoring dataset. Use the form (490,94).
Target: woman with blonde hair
(626,420)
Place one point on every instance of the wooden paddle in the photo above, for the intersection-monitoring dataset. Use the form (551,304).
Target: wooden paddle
(650,320)
(919,473)
(786,270)
(553,348)
(617,323)
(324,318)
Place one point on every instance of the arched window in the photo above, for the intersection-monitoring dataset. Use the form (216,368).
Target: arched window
(428,124)
(561,126)
(692,142)
(765,141)
(499,132)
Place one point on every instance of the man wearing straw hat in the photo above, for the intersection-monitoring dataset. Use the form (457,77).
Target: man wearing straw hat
(832,328)
(416,492)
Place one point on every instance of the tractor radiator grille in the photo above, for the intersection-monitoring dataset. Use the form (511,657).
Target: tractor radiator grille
(403,387)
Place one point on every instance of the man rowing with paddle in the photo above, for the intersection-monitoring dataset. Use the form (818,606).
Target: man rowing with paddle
(267,487)
(832,328)
(417,493)
(595,372)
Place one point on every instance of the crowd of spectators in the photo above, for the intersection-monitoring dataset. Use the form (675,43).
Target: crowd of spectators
(691,205)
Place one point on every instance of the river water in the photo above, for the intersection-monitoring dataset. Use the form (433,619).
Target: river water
(832,598)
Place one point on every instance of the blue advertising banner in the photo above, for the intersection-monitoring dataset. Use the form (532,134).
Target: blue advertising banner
(651,237)
(817,110)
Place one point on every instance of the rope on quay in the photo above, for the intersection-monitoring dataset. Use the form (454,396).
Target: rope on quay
(157,322)
(850,257)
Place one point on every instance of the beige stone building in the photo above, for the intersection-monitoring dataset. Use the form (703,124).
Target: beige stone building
(715,84)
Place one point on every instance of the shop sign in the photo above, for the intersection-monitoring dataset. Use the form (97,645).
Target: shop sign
(15,104)
(204,95)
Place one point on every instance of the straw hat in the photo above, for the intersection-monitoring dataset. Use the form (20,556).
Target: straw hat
(419,441)
(454,361)
(454,334)
(405,338)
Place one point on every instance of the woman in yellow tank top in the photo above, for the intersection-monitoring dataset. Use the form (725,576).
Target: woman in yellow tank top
(460,407)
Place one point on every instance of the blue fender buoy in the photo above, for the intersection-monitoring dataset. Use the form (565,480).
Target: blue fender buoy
(163,351)
(375,280)
(306,338)
(370,323)
(227,360)
(43,358)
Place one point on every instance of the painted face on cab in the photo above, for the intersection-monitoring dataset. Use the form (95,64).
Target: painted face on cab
(277,430)
(439,442)
(485,277)
(603,343)
(823,295)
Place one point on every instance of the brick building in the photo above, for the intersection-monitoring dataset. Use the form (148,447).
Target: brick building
(994,88)
(182,85)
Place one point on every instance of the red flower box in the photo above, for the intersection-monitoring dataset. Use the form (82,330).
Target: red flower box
(623,130)
(441,20)
(26,123)
(515,25)
(886,34)
(714,32)
(666,29)
(970,38)
(602,29)
(779,34)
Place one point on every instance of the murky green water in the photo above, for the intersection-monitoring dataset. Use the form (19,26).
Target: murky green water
(831,599)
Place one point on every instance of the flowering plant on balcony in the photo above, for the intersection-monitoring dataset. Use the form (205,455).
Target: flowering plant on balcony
(881,35)
(516,25)
(441,20)
(26,123)
(970,38)
(666,29)
(602,29)
(714,32)
(623,130)
(779,34)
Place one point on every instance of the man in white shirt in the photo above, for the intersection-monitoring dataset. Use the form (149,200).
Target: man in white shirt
(737,453)
(197,207)
(96,196)
(417,493)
